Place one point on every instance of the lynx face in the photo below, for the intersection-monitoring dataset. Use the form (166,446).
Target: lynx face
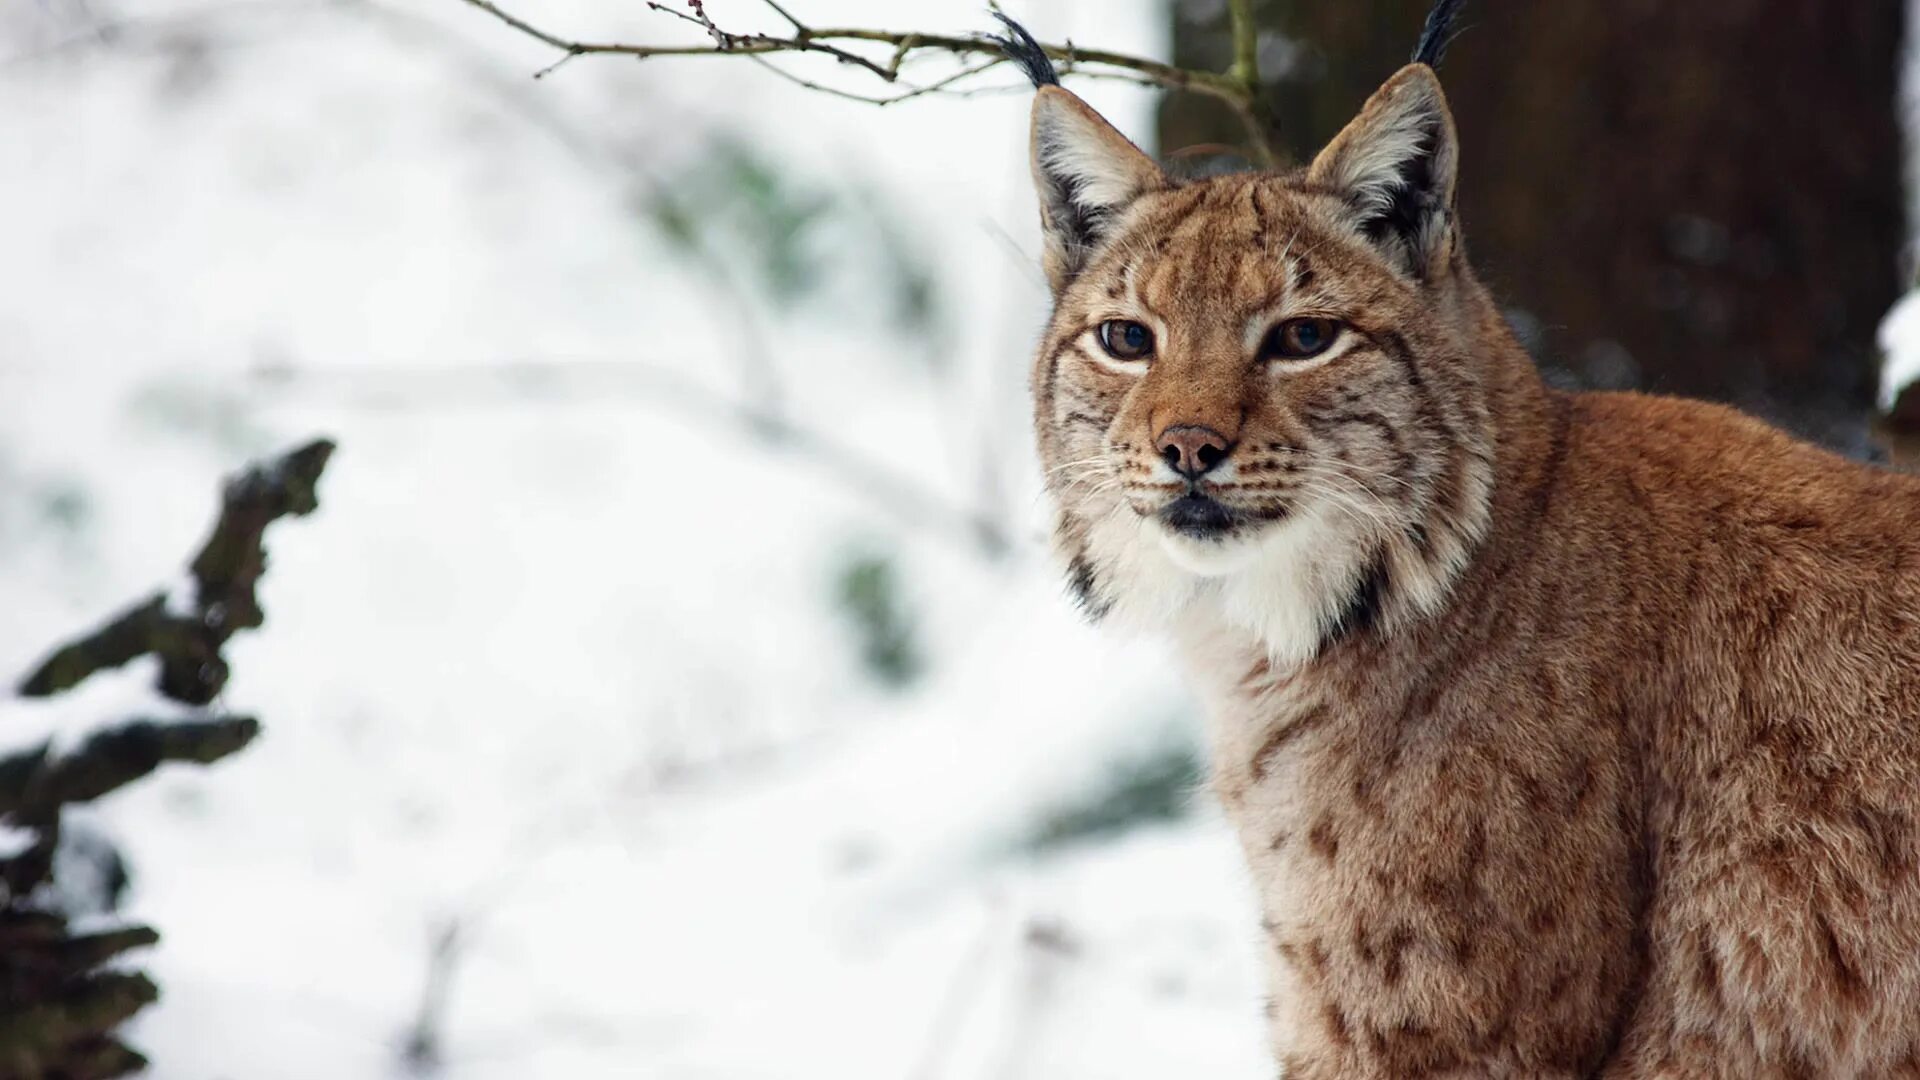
(1255,389)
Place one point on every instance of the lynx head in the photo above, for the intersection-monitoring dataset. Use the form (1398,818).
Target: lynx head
(1263,393)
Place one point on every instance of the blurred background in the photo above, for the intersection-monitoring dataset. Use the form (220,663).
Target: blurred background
(674,681)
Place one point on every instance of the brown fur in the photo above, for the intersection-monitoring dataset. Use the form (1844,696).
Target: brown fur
(1600,760)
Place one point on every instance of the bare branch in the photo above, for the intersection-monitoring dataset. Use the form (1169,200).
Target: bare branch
(803,39)
(530,30)
(1253,108)
(1239,88)
(942,86)
(830,42)
(1246,43)
(422,1050)
(798,26)
(565,59)
(698,18)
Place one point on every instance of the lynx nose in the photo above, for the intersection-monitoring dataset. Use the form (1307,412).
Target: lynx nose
(1191,450)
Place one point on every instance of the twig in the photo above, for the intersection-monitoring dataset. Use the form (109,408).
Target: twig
(798,26)
(422,1051)
(1253,109)
(1246,43)
(565,59)
(1239,89)
(699,19)
(804,39)
(941,86)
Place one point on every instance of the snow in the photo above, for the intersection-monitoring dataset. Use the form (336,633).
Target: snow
(557,660)
(1899,348)
(1899,333)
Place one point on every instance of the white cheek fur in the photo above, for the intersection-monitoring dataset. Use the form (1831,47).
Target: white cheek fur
(1207,558)
(1284,586)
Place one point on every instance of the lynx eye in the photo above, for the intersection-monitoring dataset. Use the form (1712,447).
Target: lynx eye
(1299,339)
(1125,339)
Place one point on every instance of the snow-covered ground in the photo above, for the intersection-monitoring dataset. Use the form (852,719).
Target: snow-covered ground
(559,662)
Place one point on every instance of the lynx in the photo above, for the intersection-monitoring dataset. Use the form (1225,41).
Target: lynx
(1566,734)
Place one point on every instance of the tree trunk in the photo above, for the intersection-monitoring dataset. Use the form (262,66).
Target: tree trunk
(1700,199)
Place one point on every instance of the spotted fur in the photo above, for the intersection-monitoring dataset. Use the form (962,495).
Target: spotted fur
(1567,735)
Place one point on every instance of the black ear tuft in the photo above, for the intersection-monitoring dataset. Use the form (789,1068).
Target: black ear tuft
(1395,164)
(1022,49)
(1436,34)
(1087,174)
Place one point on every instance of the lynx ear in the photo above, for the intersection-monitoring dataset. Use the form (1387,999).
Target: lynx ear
(1395,165)
(1087,174)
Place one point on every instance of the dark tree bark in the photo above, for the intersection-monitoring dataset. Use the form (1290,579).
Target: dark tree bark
(1701,199)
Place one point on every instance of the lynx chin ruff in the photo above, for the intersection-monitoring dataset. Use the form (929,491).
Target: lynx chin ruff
(1567,735)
